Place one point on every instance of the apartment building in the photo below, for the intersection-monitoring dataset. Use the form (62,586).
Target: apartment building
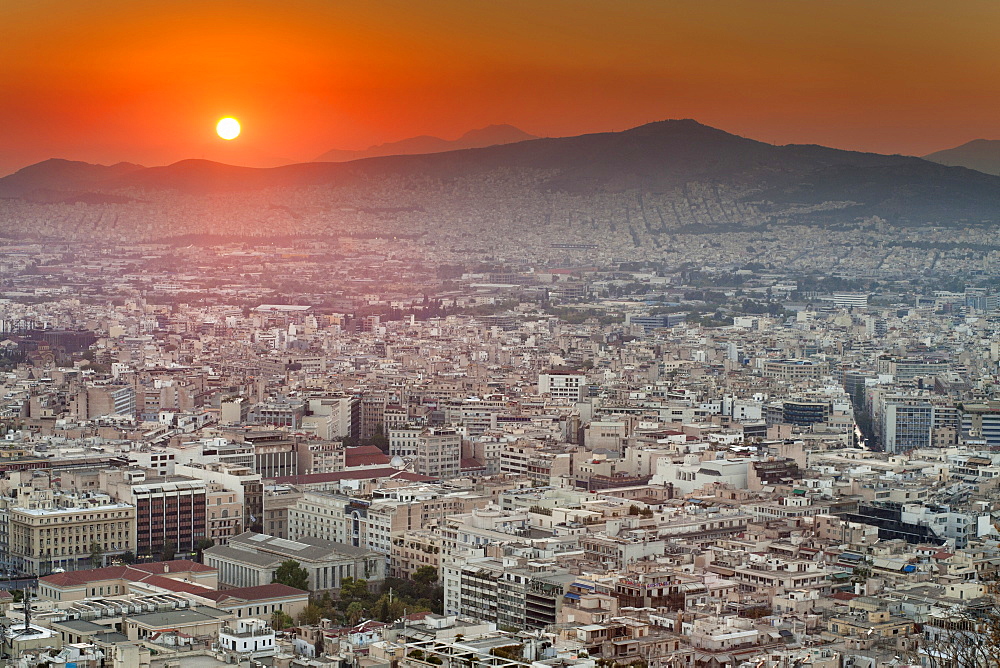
(169,510)
(53,530)
(433,451)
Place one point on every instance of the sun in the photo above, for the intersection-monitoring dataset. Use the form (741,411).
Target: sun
(228,128)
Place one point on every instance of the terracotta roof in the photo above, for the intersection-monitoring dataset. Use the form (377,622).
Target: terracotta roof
(844,596)
(363,450)
(170,584)
(134,572)
(174,566)
(470,463)
(364,455)
(258,593)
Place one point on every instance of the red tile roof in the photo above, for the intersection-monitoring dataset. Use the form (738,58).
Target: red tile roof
(258,593)
(134,572)
(364,455)
(844,596)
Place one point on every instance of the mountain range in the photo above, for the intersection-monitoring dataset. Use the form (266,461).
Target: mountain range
(491,135)
(669,175)
(980,154)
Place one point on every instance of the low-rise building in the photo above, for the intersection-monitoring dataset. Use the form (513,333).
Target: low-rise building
(251,559)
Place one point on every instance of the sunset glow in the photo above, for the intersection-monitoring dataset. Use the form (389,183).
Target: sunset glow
(118,80)
(228,128)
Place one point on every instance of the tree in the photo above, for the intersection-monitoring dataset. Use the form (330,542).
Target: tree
(292,574)
(509,652)
(127,557)
(96,555)
(426,576)
(353,590)
(281,620)
(202,545)
(355,611)
(966,639)
(168,551)
(311,615)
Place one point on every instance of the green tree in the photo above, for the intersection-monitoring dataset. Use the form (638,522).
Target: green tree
(353,590)
(311,615)
(281,620)
(202,545)
(510,652)
(292,574)
(426,576)
(355,611)
(96,555)
(168,551)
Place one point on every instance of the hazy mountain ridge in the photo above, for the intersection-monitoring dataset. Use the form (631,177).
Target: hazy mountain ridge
(491,135)
(52,178)
(983,155)
(635,185)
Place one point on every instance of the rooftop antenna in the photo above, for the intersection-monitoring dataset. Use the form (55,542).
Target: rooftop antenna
(27,608)
(26,629)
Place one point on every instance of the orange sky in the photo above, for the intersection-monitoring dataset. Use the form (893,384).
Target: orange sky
(112,80)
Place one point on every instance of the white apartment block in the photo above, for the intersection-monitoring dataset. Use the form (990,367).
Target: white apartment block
(567,385)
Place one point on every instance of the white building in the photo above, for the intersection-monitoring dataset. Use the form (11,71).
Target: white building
(251,639)
(568,385)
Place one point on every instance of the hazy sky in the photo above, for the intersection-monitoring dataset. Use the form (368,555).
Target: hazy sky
(145,81)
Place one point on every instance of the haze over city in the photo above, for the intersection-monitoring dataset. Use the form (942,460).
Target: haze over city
(341,334)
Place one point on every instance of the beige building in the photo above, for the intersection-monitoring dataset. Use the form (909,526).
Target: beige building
(413,550)
(120,580)
(200,622)
(324,457)
(433,451)
(224,513)
(61,530)
(373,524)
(792,370)
(251,559)
(277,501)
(260,602)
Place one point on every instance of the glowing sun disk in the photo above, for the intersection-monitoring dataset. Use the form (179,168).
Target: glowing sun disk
(228,128)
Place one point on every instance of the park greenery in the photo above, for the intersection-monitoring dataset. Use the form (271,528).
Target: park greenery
(292,574)
(358,600)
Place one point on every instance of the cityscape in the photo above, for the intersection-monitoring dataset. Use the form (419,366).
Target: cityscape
(669,338)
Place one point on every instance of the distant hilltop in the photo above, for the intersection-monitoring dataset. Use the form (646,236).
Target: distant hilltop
(629,189)
(491,135)
(983,155)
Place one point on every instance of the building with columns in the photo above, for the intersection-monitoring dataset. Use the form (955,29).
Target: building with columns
(251,559)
